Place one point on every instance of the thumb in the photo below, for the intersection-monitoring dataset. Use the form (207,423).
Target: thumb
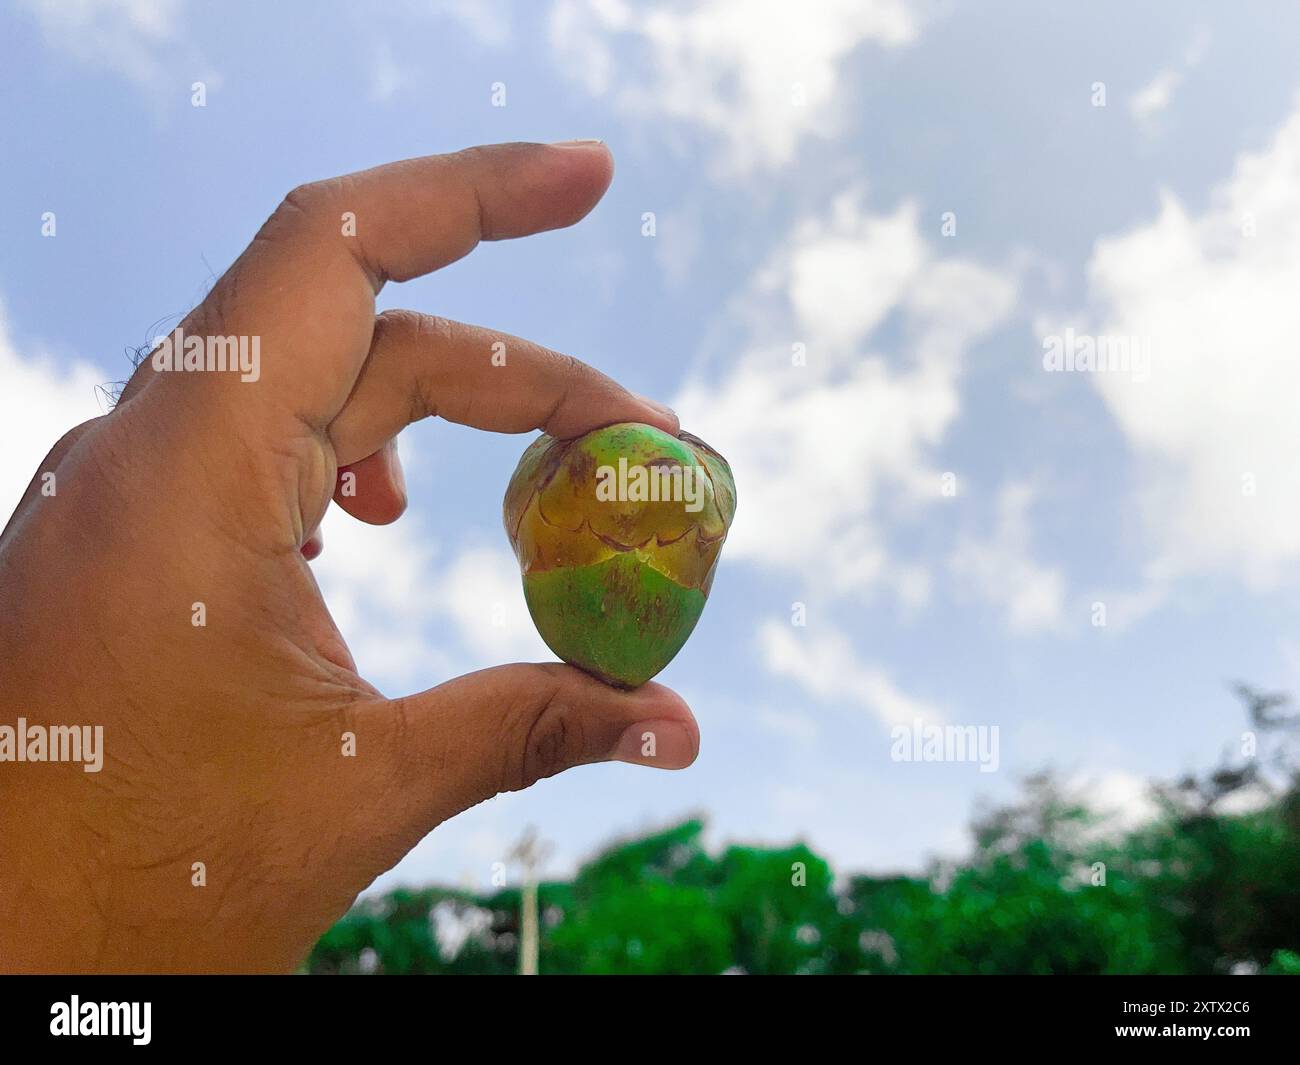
(503,729)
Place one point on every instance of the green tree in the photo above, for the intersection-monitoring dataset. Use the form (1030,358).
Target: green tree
(1211,885)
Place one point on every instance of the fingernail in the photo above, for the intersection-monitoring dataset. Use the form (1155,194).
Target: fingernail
(395,467)
(314,546)
(585,143)
(662,744)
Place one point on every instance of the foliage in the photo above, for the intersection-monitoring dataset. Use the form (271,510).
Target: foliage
(1212,884)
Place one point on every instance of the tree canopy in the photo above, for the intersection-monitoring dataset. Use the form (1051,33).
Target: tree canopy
(1209,885)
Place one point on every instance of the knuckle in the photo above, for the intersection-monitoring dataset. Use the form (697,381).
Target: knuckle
(396,322)
(441,331)
(406,326)
(302,209)
(303,199)
(568,368)
(549,739)
(432,329)
(68,439)
(307,204)
(425,335)
(570,376)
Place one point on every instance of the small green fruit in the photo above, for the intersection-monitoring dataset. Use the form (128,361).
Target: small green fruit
(617,534)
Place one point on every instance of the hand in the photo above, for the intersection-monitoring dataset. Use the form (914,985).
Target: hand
(226,743)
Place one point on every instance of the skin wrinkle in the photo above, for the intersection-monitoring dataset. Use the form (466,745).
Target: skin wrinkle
(326,680)
(375,333)
(560,398)
(429,333)
(484,233)
(542,746)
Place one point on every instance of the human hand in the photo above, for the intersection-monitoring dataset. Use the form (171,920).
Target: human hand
(226,743)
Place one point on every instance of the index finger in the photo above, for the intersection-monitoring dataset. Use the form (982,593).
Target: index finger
(418,215)
(305,286)
(420,367)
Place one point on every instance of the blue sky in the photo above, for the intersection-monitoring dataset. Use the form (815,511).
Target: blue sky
(1115,173)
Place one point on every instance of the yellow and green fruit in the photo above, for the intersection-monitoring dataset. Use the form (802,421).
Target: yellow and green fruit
(618,534)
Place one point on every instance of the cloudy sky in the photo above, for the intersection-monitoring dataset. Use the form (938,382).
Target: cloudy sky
(875,224)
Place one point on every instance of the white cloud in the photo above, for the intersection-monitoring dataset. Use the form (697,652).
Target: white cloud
(483,594)
(1122,801)
(845,273)
(759,75)
(678,242)
(1125,607)
(1216,421)
(387,76)
(41,400)
(825,453)
(822,661)
(1002,569)
(380,587)
(488,21)
(137,39)
(1156,95)
(1246,800)
(393,597)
